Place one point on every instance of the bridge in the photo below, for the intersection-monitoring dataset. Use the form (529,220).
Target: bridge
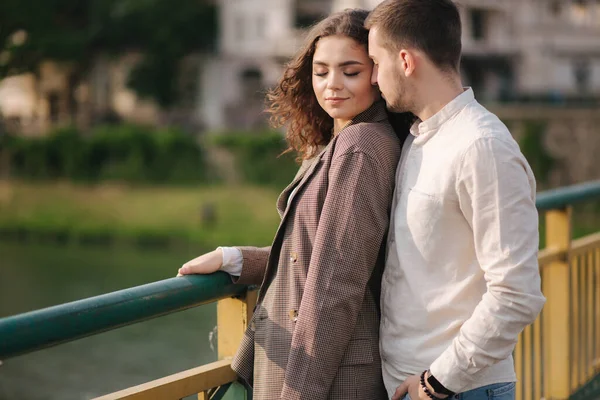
(556,358)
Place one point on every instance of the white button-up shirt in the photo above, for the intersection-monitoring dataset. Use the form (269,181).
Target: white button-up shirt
(461,278)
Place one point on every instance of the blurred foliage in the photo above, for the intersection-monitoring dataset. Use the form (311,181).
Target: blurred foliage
(75,31)
(259,156)
(122,152)
(532,146)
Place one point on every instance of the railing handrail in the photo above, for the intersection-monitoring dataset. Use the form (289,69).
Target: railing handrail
(564,196)
(39,329)
(50,326)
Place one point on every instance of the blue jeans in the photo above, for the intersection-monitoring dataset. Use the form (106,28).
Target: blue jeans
(497,391)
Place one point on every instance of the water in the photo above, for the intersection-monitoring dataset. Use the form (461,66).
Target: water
(36,276)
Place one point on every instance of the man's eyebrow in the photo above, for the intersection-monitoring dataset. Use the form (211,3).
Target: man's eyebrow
(344,64)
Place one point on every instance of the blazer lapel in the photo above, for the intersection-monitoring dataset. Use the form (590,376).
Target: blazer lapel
(306,170)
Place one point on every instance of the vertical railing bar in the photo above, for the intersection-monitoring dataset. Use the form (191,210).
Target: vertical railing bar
(584,322)
(522,348)
(581,316)
(578,322)
(597,307)
(527,381)
(557,279)
(581,293)
(537,349)
(542,358)
(532,356)
(572,330)
(518,370)
(590,315)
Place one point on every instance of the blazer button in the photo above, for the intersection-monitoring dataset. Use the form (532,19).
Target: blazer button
(293,257)
(293,315)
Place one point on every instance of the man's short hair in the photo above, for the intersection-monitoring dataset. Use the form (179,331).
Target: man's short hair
(431,26)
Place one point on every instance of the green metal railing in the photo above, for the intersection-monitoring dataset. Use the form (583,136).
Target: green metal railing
(51,326)
(567,196)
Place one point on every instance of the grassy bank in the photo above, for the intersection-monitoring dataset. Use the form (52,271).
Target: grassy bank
(208,216)
(107,214)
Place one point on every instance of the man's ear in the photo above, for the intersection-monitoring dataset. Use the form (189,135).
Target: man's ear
(408,61)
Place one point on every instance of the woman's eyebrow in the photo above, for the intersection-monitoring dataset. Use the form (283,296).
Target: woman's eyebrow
(343,64)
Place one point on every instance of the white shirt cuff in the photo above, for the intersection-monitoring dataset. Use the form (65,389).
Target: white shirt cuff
(232,260)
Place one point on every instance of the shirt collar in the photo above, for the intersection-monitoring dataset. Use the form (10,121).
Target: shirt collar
(433,123)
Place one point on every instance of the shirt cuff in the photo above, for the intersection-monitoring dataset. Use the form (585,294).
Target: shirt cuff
(447,371)
(232,260)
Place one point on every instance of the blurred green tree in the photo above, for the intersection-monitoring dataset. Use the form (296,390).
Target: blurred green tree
(75,31)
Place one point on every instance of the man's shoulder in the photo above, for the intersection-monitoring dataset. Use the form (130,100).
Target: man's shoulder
(476,123)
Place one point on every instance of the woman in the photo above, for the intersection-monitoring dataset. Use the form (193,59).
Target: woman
(315,331)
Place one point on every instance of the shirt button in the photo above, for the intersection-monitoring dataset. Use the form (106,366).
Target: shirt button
(293,315)
(293,257)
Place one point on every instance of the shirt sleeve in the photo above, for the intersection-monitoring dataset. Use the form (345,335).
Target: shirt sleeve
(496,192)
(232,260)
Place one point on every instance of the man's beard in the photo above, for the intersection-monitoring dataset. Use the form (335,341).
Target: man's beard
(399,101)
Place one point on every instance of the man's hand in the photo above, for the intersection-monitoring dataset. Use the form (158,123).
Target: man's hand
(205,264)
(412,387)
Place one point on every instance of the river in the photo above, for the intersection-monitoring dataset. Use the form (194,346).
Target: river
(34,276)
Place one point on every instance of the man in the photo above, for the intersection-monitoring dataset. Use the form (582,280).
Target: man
(461,279)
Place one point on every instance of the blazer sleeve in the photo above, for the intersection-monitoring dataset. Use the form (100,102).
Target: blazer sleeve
(254,265)
(352,226)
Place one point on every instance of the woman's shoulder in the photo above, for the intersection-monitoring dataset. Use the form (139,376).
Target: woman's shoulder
(375,139)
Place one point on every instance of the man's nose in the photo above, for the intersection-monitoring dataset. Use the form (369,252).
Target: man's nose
(374,75)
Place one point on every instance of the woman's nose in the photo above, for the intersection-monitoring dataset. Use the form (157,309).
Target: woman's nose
(335,81)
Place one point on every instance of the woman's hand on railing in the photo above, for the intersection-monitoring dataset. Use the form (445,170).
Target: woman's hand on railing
(205,264)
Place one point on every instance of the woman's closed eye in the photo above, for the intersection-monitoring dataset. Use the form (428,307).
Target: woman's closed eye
(345,73)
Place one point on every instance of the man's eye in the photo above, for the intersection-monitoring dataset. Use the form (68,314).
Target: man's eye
(351,74)
(320,73)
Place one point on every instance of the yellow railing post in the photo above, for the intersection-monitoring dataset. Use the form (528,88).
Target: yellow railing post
(233,316)
(556,320)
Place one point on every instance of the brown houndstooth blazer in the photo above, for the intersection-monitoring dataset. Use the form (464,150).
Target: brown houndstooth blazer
(315,332)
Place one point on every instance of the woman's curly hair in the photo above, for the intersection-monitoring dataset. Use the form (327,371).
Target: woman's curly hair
(292,103)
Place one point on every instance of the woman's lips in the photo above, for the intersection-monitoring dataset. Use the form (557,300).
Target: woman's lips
(336,100)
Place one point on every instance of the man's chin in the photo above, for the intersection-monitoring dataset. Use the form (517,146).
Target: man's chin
(394,108)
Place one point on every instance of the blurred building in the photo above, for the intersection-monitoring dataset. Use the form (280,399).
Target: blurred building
(34,103)
(542,51)
(513,50)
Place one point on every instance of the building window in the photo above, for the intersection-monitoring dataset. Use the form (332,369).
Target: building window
(252,84)
(309,12)
(582,75)
(556,8)
(478,24)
